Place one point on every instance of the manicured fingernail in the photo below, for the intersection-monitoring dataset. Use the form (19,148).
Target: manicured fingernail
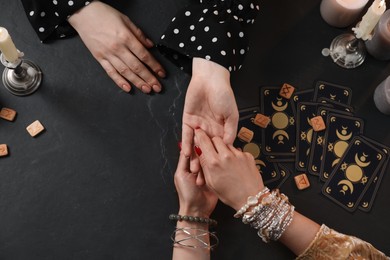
(126,87)
(179,145)
(161,74)
(198,150)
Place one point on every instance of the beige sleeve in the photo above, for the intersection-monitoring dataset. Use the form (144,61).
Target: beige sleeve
(330,244)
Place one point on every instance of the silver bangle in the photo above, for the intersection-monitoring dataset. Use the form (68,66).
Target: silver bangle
(271,216)
(196,235)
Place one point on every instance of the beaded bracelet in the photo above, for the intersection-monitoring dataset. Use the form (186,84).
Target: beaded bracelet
(251,201)
(209,221)
(195,235)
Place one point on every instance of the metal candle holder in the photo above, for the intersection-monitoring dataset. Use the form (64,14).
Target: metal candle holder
(348,51)
(21,77)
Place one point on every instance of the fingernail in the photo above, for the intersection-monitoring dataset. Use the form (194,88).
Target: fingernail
(198,150)
(161,74)
(179,145)
(145,89)
(126,87)
(149,42)
(156,88)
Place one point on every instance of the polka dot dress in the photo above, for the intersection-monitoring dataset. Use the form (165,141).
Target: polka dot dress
(49,17)
(213,30)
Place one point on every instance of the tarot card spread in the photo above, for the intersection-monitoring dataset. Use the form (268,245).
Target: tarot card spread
(314,131)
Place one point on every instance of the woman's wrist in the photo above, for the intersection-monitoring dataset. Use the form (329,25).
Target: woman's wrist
(206,69)
(76,19)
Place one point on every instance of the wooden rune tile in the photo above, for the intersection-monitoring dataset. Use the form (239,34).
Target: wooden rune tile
(245,134)
(286,91)
(262,120)
(302,181)
(317,123)
(7,114)
(35,128)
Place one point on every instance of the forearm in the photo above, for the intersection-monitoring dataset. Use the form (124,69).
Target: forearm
(185,232)
(300,233)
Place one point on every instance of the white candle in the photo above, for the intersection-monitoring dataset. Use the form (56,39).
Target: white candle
(7,46)
(341,13)
(382,96)
(370,19)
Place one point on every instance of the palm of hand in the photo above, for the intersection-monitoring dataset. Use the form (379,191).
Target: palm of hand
(209,107)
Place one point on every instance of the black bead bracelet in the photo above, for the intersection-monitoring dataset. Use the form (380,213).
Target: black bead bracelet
(208,221)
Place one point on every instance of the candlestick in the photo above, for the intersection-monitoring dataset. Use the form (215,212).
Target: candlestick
(20,77)
(347,51)
(341,13)
(379,45)
(7,46)
(370,19)
(382,96)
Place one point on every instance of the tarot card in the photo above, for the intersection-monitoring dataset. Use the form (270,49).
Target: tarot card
(285,173)
(340,131)
(318,140)
(281,159)
(369,196)
(279,137)
(306,95)
(332,91)
(268,170)
(355,171)
(335,104)
(248,112)
(305,111)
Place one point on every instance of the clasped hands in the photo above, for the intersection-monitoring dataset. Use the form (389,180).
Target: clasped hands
(209,166)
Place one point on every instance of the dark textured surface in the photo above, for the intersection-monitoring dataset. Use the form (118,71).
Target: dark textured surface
(97,184)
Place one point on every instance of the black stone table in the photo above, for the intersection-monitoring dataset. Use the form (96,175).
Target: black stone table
(98,183)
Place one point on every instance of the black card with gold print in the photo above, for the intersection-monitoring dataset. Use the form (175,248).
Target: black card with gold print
(354,173)
(318,140)
(248,112)
(268,170)
(285,173)
(306,95)
(279,136)
(369,196)
(305,111)
(340,131)
(335,104)
(333,92)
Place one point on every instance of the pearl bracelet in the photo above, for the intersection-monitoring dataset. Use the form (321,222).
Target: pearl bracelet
(271,216)
(251,201)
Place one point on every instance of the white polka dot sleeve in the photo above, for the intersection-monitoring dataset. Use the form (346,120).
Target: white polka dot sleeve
(49,17)
(213,30)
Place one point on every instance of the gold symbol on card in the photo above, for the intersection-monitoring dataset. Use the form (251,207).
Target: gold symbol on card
(280,120)
(338,148)
(254,150)
(354,173)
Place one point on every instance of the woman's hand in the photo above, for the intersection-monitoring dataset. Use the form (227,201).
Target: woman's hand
(194,200)
(210,105)
(230,173)
(119,46)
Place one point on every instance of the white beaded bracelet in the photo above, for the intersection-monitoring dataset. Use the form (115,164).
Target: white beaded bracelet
(251,201)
